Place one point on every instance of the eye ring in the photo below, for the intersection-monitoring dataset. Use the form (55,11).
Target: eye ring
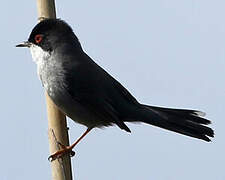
(38,38)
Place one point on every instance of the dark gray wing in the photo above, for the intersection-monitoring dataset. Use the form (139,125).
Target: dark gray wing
(91,86)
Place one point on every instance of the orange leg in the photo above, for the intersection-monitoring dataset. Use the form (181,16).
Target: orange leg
(67,149)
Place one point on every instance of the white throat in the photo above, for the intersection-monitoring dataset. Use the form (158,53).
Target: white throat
(39,56)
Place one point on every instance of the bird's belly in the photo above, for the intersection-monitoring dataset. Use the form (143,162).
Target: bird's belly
(53,82)
(75,110)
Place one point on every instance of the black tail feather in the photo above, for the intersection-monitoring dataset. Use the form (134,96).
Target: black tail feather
(195,116)
(187,122)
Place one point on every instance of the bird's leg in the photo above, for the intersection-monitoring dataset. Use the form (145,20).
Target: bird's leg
(67,149)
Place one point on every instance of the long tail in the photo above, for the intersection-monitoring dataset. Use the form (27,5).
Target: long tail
(187,122)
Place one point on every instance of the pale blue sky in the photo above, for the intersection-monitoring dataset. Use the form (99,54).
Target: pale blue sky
(167,53)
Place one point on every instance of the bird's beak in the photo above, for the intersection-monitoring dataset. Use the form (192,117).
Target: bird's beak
(24,44)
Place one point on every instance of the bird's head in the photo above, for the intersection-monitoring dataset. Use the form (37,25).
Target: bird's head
(48,35)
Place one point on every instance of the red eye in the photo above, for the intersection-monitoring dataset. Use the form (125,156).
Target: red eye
(38,38)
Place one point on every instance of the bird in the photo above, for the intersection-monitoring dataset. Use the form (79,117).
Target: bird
(89,95)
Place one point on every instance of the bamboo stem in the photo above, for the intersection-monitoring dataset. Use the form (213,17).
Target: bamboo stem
(57,127)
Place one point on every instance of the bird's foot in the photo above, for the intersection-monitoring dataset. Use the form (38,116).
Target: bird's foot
(67,149)
(64,151)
